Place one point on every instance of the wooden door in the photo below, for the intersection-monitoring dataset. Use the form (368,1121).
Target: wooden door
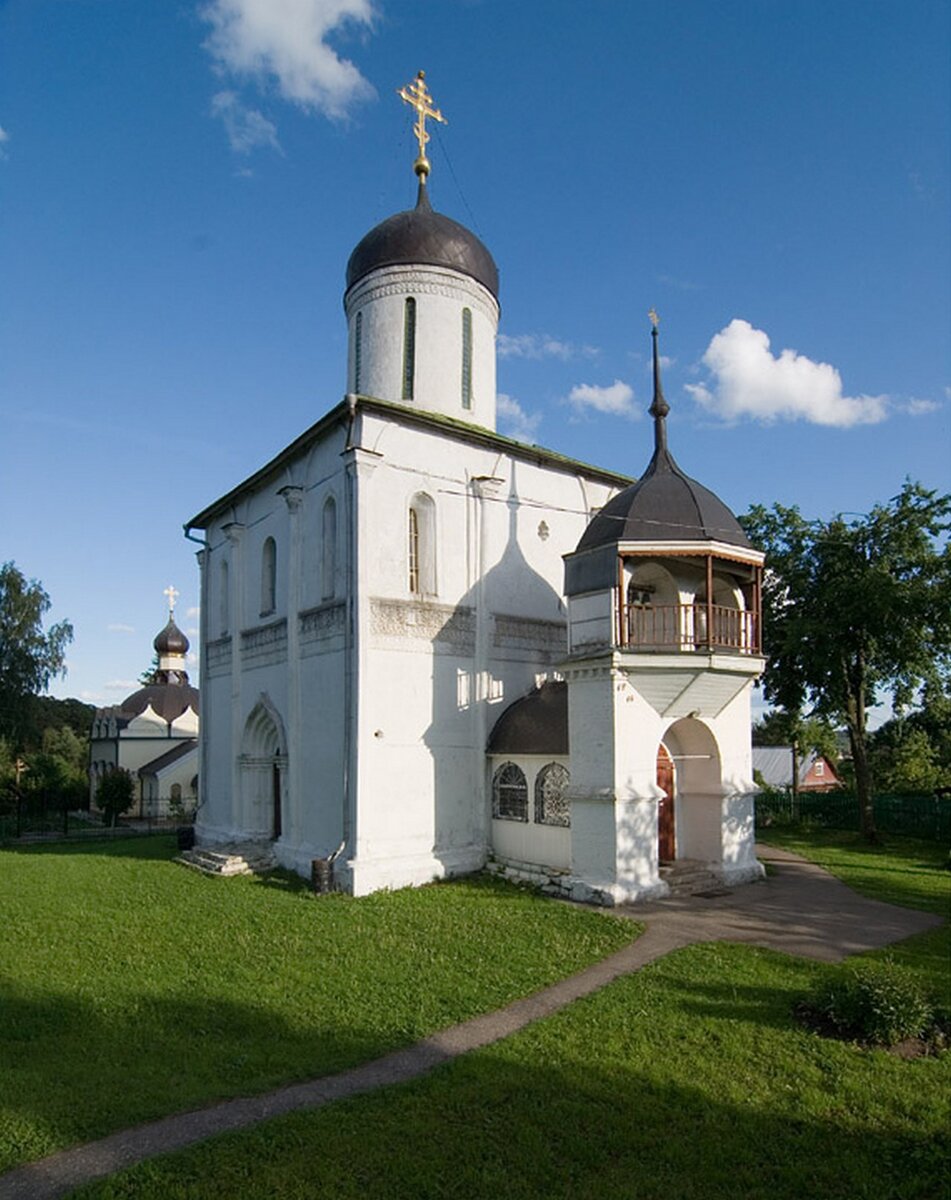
(276,799)
(666,848)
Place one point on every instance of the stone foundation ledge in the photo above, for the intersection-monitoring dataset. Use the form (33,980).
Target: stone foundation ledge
(559,882)
(735,874)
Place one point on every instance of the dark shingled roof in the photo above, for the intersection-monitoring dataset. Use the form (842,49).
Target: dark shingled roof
(420,235)
(169,757)
(664,505)
(168,700)
(535,724)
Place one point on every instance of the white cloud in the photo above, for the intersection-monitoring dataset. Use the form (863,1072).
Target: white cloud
(91,697)
(120,685)
(540,345)
(246,128)
(4,138)
(516,422)
(616,400)
(192,614)
(284,41)
(916,407)
(749,381)
(118,627)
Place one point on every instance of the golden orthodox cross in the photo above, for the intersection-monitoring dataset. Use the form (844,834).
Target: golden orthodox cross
(173,595)
(655,319)
(417,96)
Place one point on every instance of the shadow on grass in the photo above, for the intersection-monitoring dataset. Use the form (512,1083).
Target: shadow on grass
(168,1054)
(485,1126)
(154,846)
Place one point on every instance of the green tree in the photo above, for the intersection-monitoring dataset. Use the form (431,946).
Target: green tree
(115,794)
(912,752)
(854,611)
(803,734)
(29,658)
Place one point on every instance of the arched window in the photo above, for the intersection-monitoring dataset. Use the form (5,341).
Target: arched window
(268,577)
(328,565)
(421,546)
(357,351)
(467,358)
(223,597)
(409,348)
(551,796)
(510,793)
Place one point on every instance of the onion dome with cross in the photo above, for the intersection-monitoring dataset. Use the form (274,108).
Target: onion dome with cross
(422,302)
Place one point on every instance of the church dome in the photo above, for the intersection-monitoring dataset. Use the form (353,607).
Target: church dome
(421,236)
(534,724)
(664,505)
(171,640)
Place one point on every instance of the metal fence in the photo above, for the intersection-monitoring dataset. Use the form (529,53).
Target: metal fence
(41,816)
(923,815)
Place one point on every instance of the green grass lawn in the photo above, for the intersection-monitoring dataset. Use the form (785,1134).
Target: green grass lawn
(688,1079)
(132,988)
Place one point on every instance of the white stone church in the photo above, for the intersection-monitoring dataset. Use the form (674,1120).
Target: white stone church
(427,647)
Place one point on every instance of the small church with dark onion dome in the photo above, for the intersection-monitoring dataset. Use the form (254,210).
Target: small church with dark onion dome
(153,733)
(428,649)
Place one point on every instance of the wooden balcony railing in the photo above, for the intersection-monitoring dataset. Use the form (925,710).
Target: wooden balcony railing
(689,627)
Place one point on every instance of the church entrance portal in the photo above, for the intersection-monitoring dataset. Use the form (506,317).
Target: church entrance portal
(263,764)
(666,846)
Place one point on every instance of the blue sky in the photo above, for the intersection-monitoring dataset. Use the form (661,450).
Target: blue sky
(181,185)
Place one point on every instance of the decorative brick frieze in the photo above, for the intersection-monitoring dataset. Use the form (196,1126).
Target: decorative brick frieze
(323,622)
(526,633)
(269,641)
(442,625)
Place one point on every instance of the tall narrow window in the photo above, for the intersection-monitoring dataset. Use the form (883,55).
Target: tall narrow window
(328,565)
(223,597)
(509,793)
(409,348)
(421,546)
(413,550)
(268,577)
(358,352)
(467,358)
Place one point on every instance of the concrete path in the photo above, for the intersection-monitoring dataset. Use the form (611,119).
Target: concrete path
(799,910)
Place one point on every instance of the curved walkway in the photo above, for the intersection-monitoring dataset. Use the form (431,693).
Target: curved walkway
(799,910)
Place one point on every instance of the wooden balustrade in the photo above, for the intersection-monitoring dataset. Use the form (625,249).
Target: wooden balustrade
(685,627)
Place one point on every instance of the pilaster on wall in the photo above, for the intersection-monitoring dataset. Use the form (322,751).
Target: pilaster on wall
(294,499)
(359,465)
(235,534)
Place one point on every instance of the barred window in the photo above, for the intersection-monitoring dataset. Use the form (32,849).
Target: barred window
(409,348)
(551,796)
(467,358)
(510,793)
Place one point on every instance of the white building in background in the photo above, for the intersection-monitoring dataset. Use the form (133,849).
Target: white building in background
(427,647)
(153,733)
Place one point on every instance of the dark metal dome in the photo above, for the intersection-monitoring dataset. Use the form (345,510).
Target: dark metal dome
(420,235)
(171,640)
(535,724)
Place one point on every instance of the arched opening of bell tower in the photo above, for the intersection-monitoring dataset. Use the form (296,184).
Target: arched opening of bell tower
(689,760)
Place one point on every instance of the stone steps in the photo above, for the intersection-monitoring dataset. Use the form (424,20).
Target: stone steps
(689,877)
(229,860)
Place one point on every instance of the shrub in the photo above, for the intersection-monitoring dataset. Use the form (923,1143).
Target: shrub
(874,1002)
(115,794)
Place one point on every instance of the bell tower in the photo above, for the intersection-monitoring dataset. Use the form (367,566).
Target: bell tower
(664,634)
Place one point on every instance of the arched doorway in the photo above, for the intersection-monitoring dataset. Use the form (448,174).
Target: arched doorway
(263,767)
(666,835)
